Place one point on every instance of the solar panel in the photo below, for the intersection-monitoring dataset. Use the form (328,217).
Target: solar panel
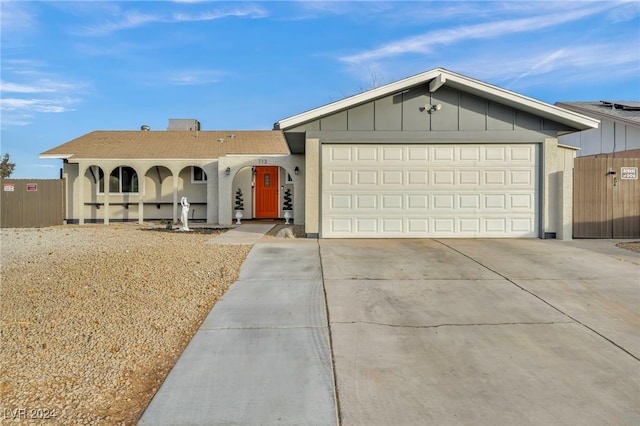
(624,105)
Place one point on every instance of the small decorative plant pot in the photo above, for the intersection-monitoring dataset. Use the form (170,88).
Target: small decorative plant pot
(238,216)
(287,216)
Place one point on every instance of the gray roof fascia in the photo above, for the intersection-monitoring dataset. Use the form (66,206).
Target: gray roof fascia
(602,114)
(437,78)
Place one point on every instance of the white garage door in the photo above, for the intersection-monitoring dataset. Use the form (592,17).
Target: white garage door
(415,191)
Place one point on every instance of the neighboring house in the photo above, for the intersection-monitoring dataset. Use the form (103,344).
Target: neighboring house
(619,130)
(606,191)
(434,155)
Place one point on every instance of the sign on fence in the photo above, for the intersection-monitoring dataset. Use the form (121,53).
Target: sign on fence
(628,173)
(9,187)
(32,187)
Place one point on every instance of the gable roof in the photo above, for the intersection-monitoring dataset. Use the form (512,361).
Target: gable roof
(615,111)
(436,79)
(170,145)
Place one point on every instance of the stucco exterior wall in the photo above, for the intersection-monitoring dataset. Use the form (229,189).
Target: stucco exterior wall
(312,188)
(154,200)
(557,189)
(240,176)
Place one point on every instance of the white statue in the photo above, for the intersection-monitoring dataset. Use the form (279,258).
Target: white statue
(185,214)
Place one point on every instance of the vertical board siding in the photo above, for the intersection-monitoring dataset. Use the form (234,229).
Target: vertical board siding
(29,209)
(605,205)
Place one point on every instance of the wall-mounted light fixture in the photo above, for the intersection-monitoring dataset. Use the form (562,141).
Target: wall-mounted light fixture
(227,171)
(296,170)
(432,108)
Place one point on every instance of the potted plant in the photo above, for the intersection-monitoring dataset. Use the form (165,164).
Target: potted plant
(239,206)
(287,207)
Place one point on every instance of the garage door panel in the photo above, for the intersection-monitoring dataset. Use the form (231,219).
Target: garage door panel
(495,153)
(340,178)
(469,154)
(417,226)
(392,153)
(366,154)
(443,202)
(366,178)
(366,201)
(366,225)
(340,155)
(417,201)
(469,201)
(417,191)
(443,178)
(444,225)
(470,225)
(392,177)
(417,154)
(522,154)
(469,177)
(417,178)
(340,226)
(522,178)
(392,226)
(340,202)
(443,154)
(392,202)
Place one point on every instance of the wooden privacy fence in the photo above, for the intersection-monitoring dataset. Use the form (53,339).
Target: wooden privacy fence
(31,203)
(606,197)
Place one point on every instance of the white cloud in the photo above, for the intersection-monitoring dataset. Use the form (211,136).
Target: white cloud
(36,105)
(194,77)
(134,19)
(253,12)
(38,86)
(426,43)
(16,17)
(126,20)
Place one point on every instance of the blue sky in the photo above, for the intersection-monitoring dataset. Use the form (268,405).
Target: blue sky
(69,68)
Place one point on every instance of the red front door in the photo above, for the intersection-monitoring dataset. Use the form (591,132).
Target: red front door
(267,192)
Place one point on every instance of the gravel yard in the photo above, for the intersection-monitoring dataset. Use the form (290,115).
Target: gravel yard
(92,318)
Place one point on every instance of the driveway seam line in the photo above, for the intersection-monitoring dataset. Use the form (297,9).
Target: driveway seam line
(454,325)
(542,300)
(333,361)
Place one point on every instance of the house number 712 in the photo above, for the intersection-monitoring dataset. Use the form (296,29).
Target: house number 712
(262,161)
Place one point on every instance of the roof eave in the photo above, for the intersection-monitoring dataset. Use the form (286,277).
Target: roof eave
(55,156)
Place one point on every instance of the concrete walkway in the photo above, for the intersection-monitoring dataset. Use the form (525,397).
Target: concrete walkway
(262,355)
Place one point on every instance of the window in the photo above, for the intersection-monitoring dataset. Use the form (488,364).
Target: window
(122,180)
(198,175)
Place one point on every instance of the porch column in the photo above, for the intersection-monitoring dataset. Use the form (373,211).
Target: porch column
(80,202)
(175,198)
(141,192)
(107,190)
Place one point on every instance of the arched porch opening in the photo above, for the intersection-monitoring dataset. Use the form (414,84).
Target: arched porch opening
(158,193)
(248,173)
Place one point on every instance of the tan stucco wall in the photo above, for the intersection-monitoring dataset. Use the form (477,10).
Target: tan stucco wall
(557,189)
(176,182)
(312,186)
(240,176)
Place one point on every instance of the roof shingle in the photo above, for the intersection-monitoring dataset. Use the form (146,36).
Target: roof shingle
(170,144)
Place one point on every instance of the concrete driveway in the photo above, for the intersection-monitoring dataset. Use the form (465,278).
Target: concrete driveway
(484,332)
